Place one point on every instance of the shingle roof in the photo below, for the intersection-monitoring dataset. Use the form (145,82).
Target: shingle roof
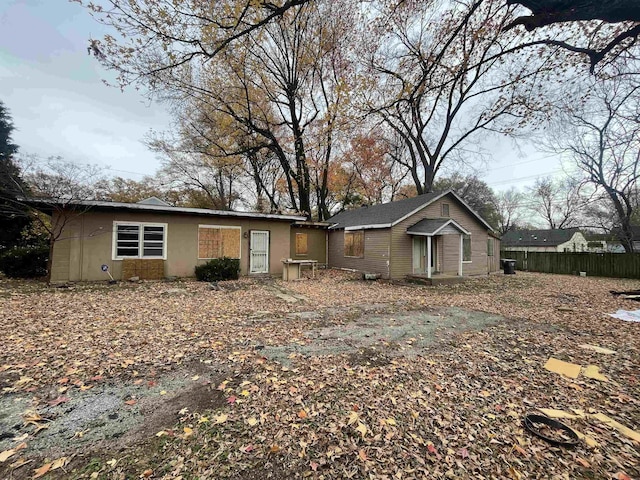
(537,238)
(383,214)
(429,226)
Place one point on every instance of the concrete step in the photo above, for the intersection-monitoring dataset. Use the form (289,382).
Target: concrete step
(435,280)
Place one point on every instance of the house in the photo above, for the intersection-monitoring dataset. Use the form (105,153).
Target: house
(427,235)
(556,240)
(603,243)
(152,239)
(635,237)
(434,233)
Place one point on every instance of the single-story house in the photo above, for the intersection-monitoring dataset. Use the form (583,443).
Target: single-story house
(434,233)
(152,239)
(551,240)
(425,235)
(603,243)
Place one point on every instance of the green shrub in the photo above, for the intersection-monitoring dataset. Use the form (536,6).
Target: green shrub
(218,269)
(24,262)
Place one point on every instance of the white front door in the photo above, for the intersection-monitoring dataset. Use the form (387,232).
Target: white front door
(259,252)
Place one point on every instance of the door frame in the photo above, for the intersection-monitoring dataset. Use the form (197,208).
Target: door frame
(251,271)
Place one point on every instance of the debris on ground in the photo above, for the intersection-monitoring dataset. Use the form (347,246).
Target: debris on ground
(430,400)
(626,315)
(560,367)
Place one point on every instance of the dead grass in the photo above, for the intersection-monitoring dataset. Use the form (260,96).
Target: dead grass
(453,412)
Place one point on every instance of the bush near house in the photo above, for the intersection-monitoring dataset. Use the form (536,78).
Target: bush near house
(24,262)
(218,269)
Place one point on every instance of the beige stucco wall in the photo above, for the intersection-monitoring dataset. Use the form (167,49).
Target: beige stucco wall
(86,243)
(316,244)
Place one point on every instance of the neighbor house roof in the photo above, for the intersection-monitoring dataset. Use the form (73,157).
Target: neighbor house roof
(538,238)
(48,205)
(154,201)
(386,215)
(431,226)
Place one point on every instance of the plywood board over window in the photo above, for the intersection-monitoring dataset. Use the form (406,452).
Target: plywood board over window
(354,244)
(216,241)
(301,244)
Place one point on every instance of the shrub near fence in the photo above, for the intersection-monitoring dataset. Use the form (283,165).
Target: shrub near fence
(621,265)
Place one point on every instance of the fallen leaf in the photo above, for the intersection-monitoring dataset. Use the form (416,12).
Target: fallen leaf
(59,463)
(353,417)
(362,428)
(583,462)
(362,455)
(302,414)
(231,399)
(130,402)
(221,418)
(188,431)
(58,401)
(147,473)
(252,421)
(39,472)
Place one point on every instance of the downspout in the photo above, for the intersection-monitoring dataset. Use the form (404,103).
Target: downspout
(326,247)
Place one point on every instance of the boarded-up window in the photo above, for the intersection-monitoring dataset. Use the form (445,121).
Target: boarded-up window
(490,247)
(301,244)
(445,210)
(466,248)
(354,244)
(216,242)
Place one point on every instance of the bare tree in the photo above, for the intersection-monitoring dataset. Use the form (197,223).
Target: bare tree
(443,79)
(558,203)
(601,135)
(610,28)
(508,205)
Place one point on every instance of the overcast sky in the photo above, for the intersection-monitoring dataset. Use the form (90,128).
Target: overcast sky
(60,105)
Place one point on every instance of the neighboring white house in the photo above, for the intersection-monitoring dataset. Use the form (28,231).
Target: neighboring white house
(559,240)
(604,243)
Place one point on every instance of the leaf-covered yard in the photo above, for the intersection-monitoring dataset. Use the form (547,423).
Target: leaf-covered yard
(199,383)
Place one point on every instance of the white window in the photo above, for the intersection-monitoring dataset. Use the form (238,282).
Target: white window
(139,240)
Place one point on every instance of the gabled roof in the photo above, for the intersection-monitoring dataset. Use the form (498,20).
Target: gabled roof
(538,238)
(153,201)
(48,205)
(431,226)
(389,214)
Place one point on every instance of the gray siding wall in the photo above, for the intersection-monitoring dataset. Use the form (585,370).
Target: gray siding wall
(449,245)
(376,252)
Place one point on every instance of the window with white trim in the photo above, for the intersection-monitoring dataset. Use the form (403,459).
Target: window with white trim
(139,240)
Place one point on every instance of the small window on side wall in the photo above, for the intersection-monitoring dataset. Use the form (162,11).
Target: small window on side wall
(445,210)
(466,248)
(490,247)
(301,244)
(354,244)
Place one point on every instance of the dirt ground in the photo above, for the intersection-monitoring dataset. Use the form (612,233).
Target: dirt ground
(327,378)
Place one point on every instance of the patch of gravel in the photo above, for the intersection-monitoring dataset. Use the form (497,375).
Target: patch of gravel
(109,415)
(401,334)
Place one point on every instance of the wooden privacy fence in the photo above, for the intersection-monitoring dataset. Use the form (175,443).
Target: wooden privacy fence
(621,265)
